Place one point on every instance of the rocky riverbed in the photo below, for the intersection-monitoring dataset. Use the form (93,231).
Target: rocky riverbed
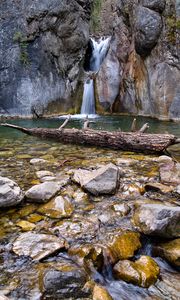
(87,223)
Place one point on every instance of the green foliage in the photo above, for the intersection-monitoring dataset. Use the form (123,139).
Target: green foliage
(20,39)
(95,14)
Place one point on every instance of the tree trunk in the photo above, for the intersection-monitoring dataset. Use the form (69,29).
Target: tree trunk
(128,141)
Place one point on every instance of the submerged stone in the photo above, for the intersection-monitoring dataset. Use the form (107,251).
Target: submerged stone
(38,161)
(143,272)
(158,187)
(157,219)
(124,245)
(41,174)
(37,246)
(10,192)
(100,293)
(169,251)
(25,225)
(43,192)
(101,181)
(57,208)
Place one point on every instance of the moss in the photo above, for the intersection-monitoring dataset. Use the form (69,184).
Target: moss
(95,15)
(21,40)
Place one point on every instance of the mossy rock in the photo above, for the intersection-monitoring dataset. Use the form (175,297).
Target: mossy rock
(123,245)
(57,208)
(25,225)
(100,293)
(143,272)
(170,251)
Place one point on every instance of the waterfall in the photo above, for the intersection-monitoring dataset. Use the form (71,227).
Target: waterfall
(99,52)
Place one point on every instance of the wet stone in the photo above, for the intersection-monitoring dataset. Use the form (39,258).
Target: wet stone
(124,245)
(158,187)
(10,192)
(170,251)
(65,281)
(43,192)
(123,209)
(57,208)
(41,174)
(101,181)
(143,272)
(100,293)
(25,225)
(170,173)
(38,161)
(158,219)
(37,246)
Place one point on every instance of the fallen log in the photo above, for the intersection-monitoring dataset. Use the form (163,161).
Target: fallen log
(127,141)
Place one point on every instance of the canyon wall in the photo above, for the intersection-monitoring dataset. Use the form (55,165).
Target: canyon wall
(141,73)
(42,47)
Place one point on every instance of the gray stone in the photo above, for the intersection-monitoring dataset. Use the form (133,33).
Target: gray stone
(170,173)
(101,181)
(157,219)
(38,161)
(148,27)
(37,246)
(10,192)
(43,192)
(157,5)
(41,174)
(66,281)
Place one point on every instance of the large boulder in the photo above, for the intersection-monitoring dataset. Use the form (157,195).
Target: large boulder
(101,181)
(157,5)
(158,219)
(143,272)
(10,192)
(148,27)
(43,192)
(37,246)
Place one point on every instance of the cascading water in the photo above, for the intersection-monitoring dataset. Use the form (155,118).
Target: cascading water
(99,52)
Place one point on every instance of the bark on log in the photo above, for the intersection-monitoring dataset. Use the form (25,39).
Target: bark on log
(128,141)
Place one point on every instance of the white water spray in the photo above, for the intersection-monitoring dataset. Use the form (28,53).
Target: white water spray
(99,52)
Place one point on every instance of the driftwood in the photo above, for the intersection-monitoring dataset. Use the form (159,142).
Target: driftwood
(128,141)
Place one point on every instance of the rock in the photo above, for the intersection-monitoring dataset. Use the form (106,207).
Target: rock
(100,293)
(178,189)
(87,252)
(55,32)
(158,219)
(48,178)
(123,209)
(10,192)
(148,26)
(66,281)
(101,181)
(37,246)
(43,192)
(157,5)
(25,225)
(164,159)
(169,251)
(38,161)
(123,246)
(126,161)
(41,174)
(143,272)
(158,187)
(57,208)
(170,173)
(2,297)
(79,196)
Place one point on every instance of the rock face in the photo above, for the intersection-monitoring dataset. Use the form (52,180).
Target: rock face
(157,219)
(144,55)
(10,192)
(101,181)
(41,52)
(143,272)
(37,246)
(43,192)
